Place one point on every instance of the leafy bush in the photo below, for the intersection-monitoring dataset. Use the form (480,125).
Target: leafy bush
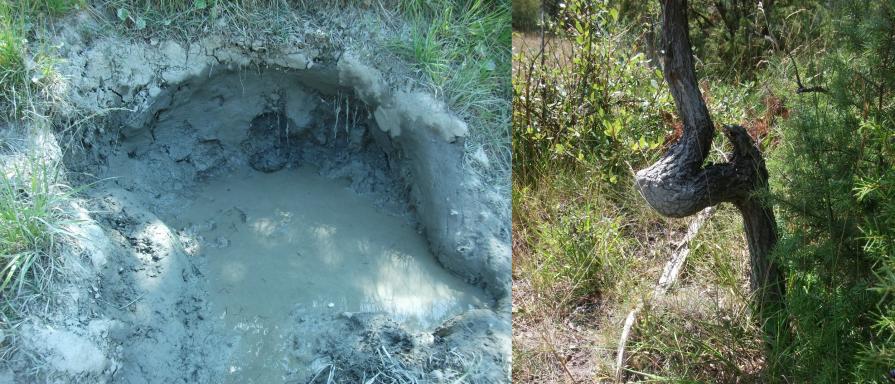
(592,101)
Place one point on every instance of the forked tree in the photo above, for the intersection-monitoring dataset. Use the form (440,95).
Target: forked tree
(681,184)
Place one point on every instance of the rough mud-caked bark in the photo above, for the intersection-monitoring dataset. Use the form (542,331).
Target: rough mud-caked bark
(680,185)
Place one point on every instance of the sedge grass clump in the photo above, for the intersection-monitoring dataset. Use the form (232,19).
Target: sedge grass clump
(13,76)
(457,39)
(571,241)
(32,217)
(579,250)
(718,256)
(462,50)
(33,222)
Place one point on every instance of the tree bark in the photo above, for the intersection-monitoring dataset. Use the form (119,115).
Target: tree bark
(680,184)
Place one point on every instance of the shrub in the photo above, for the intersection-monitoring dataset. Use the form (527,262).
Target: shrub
(836,190)
(588,100)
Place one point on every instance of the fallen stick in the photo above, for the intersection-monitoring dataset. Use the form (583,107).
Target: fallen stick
(669,275)
(133,301)
(556,356)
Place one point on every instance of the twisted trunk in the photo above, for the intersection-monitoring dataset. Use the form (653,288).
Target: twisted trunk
(680,185)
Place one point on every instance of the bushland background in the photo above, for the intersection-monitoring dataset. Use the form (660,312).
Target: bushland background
(591,106)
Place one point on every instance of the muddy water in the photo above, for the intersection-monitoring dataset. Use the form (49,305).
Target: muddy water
(293,238)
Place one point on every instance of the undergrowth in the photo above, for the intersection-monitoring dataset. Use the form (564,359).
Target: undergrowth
(31,211)
(32,195)
(33,221)
(579,244)
(27,68)
(590,108)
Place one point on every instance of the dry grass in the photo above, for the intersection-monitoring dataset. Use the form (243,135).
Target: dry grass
(584,218)
(585,251)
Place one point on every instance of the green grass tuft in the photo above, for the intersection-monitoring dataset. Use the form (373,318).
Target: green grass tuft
(24,75)
(31,219)
(462,49)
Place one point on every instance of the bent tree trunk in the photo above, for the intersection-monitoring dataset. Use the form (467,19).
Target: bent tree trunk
(680,185)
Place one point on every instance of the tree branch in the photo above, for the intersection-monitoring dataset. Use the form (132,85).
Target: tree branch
(802,88)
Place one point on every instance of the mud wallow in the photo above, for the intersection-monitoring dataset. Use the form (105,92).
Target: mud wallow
(262,208)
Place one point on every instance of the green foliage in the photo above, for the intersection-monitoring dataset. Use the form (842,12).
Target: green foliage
(31,216)
(575,251)
(587,100)
(526,14)
(836,188)
(23,73)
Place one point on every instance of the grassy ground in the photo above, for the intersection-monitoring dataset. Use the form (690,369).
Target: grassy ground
(585,251)
(33,194)
(27,75)
(462,50)
(33,198)
(588,111)
(586,247)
